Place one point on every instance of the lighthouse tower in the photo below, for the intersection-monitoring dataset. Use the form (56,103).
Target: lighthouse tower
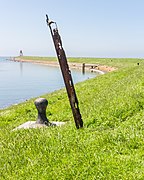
(21,53)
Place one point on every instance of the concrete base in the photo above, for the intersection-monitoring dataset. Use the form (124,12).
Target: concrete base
(33,124)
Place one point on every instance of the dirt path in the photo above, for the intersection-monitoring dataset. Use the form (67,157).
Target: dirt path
(89,67)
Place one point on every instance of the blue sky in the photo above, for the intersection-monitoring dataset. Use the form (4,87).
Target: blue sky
(89,28)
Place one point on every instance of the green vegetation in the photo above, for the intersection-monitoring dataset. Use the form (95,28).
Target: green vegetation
(110,146)
(34,58)
(116,62)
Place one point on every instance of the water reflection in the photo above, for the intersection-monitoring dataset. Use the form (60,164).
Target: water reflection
(21,68)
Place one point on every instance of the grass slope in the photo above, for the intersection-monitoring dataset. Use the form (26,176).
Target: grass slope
(116,62)
(110,146)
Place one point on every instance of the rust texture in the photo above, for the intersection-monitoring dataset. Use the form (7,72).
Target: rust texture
(66,73)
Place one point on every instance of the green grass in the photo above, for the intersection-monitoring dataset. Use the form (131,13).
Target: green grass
(110,146)
(38,58)
(116,62)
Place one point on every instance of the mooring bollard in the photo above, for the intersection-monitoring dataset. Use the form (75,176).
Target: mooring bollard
(41,105)
(42,121)
(83,68)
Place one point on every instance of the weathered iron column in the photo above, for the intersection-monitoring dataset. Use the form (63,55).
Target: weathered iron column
(66,73)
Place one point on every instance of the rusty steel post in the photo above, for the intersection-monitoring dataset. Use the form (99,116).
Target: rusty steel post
(66,73)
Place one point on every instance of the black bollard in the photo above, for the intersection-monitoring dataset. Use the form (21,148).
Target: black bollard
(83,68)
(41,105)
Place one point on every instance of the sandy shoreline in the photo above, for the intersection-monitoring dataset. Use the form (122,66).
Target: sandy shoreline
(88,67)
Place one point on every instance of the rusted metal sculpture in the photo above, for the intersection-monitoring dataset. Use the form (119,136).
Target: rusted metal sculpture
(66,73)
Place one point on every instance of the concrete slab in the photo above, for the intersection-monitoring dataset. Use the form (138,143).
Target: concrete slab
(33,124)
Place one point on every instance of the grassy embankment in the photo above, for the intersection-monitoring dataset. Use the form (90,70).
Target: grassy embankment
(110,146)
(115,62)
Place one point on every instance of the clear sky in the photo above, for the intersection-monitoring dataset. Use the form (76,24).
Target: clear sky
(88,28)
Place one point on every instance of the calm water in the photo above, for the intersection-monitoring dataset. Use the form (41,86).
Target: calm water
(22,81)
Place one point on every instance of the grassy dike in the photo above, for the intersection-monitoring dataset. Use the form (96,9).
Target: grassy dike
(110,146)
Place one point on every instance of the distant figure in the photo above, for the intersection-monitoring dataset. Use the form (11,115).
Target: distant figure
(21,53)
(138,64)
